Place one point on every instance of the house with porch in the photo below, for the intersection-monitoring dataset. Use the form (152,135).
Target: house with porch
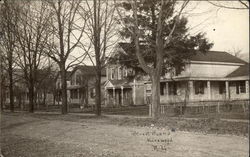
(122,87)
(210,76)
(81,86)
(120,90)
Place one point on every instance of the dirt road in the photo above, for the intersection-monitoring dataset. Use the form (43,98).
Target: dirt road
(29,136)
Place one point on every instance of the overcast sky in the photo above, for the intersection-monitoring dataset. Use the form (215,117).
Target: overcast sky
(228,29)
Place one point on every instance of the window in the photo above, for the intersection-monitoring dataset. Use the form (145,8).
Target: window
(112,73)
(92,93)
(162,87)
(130,72)
(71,81)
(240,87)
(119,72)
(199,87)
(125,72)
(74,94)
(172,88)
(78,80)
(222,87)
(148,88)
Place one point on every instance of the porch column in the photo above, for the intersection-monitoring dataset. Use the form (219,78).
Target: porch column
(114,95)
(122,94)
(145,94)
(247,86)
(134,93)
(227,90)
(166,91)
(191,89)
(208,90)
(78,91)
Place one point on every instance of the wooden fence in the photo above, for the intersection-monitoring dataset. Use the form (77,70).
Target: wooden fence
(206,106)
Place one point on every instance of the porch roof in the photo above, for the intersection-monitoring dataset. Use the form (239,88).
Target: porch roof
(118,84)
(241,71)
(240,78)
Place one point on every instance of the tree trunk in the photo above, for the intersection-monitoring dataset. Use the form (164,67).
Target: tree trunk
(10,71)
(64,89)
(31,97)
(36,99)
(54,98)
(1,99)
(1,86)
(155,95)
(98,92)
(86,94)
(44,97)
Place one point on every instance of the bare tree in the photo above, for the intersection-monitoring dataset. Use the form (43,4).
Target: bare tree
(238,4)
(2,80)
(9,18)
(100,33)
(235,51)
(32,35)
(64,27)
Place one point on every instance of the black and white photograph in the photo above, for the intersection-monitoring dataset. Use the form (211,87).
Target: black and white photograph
(124,78)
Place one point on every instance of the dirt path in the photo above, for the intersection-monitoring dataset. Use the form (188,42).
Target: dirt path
(94,137)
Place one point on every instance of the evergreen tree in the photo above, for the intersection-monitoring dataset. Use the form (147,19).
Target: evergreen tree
(158,40)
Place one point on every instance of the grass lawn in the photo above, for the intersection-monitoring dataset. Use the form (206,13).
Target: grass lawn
(84,135)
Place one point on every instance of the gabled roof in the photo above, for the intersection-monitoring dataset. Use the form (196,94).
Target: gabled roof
(88,70)
(118,82)
(216,56)
(241,71)
(209,56)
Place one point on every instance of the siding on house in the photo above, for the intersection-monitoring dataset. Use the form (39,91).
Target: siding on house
(120,90)
(82,86)
(213,75)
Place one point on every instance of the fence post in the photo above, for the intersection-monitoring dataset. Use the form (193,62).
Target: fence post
(180,108)
(243,105)
(208,108)
(150,110)
(218,107)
